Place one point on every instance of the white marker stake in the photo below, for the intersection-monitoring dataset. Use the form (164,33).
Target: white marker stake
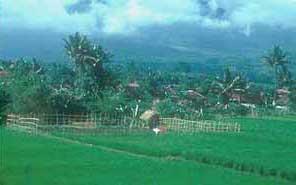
(156,130)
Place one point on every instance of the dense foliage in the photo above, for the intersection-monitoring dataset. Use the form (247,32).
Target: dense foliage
(4,98)
(90,82)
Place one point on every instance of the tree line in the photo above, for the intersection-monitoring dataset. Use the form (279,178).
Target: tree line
(91,82)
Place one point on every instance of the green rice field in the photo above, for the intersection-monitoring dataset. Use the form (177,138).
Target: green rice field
(264,153)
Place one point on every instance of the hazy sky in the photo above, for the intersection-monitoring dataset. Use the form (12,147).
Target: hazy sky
(127,16)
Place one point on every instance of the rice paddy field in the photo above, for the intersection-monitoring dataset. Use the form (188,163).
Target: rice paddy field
(264,153)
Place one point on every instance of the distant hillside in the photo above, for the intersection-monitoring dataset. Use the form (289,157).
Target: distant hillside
(175,43)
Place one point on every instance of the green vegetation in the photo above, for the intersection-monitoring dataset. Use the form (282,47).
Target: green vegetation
(88,59)
(278,60)
(4,100)
(91,82)
(27,159)
(266,147)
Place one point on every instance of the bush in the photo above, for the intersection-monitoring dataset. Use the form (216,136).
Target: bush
(293,99)
(4,99)
(2,119)
(171,109)
(237,109)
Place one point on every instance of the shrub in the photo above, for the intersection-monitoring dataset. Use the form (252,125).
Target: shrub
(4,100)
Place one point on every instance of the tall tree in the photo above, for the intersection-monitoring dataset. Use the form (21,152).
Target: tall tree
(277,59)
(89,59)
(228,84)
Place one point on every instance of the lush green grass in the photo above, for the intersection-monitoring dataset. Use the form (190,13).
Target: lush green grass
(27,160)
(266,147)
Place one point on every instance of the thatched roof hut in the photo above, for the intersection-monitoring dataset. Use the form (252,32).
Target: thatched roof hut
(170,90)
(195,94)
(132,90)
(3,73)
(133,85)
(241,96)
(282,97)
(152,117)
(148,115)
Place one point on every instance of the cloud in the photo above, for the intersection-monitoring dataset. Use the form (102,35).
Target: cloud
(127,16)
(43,14)
(243,14)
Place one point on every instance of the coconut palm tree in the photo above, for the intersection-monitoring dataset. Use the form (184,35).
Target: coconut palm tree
(226,86)
(277,58)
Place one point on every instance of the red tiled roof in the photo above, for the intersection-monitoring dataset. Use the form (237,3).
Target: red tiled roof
(3,73)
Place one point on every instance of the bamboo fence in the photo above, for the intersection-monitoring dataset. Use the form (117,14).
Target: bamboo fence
(104,124)
(180,125)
